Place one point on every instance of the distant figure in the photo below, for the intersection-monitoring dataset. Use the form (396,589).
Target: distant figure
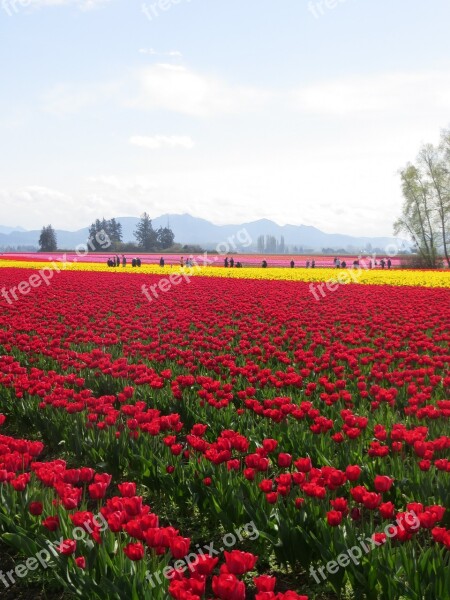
(313,264)
(109,262)
(113,261)
(307,264)
(182,261)
(344,264)
(225,262)
(138,262)
(231,262)
(335,260)
(355,264)
(117,261)
(238,265)
(389,263)
(338,263)
(382,263)
(124,260)
(161,262)
(292,264)
(133,262)
(264,264)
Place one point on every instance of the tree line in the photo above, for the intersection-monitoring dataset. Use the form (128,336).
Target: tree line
(147,238)
(425,215)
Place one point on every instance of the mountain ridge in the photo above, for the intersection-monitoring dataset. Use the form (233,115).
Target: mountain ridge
(196,230)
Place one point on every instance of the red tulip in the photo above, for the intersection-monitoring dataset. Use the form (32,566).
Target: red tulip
(135,551)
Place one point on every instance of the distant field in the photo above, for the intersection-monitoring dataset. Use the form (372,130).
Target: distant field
(246,259)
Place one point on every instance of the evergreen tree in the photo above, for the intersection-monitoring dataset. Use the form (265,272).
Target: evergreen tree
(115,231)
(47,240)
(145,234)
(94,230)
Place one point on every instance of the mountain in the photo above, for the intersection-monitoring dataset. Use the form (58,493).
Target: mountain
(193,230)
(5,229)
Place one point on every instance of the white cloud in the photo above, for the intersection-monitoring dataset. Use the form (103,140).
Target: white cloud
(179,89)
(153,52)
(405,93)
(81,4)
(160,141)
(36,204)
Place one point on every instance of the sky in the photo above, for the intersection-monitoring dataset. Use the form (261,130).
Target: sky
(298,111)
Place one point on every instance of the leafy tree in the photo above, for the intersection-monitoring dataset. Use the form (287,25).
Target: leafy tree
(165,237)
(260,244)
(47,240)
(426,208)
(417,217)
(145,234)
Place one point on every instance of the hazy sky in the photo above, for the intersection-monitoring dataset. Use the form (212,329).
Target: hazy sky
(231,110)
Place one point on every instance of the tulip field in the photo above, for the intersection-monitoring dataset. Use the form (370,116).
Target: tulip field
(229,437)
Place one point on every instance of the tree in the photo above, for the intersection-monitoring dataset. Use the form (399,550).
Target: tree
(260,244)
(112,229)
(115,231)
(145,234)
(271,244)
(47,240)
(426,207)
(165,237)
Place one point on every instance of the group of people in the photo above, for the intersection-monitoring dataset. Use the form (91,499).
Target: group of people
(189,262)
(372,263)
(230,263)
(115,261)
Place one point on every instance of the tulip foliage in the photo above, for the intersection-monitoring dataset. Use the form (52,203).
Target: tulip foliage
(231,401)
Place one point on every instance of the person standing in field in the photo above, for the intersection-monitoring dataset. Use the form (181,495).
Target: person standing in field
(292,264)
(389,263)
(124,260)
(225,262)
(182,261)
(161,262)
(231,262)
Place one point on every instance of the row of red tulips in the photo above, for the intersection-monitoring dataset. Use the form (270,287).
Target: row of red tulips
(220,406)
(113,544)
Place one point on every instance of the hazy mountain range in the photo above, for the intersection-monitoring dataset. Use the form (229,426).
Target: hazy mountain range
(193,230)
